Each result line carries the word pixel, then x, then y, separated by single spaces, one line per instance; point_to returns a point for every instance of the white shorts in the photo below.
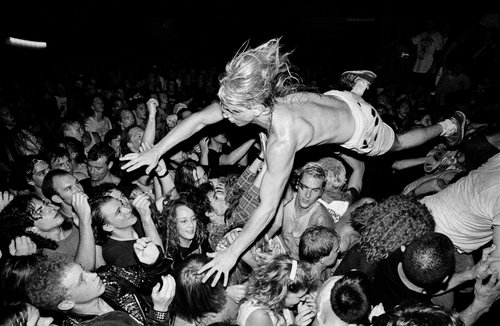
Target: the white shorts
pixel 372 136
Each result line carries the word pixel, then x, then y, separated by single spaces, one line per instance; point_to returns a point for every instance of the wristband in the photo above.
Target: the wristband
pixel 160 315
pixel 162 176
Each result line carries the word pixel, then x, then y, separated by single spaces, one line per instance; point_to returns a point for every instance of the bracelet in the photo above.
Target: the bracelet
pixel 260 158
pixel 160 315
pixel 162 176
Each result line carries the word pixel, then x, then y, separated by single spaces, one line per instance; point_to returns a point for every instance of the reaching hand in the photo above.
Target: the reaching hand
pixel 163 293
pixel 147 252
pixel 222 263
pixel 22 246
pixel 5 198
pixel 147 158
pixel 486 294
pixel 141 204
pixel 80 203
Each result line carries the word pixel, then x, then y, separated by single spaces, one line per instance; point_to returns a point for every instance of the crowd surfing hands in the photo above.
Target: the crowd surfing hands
pixel 149 157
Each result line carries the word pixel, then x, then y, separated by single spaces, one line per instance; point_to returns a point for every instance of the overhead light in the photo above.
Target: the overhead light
pixel 26 43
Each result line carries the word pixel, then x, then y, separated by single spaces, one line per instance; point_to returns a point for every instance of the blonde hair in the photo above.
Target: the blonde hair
pixel 257 76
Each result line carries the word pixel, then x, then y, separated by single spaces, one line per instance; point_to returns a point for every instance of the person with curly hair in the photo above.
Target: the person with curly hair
pixel 184 234
pixel 383 228
pixel 279 284
pixel 259 88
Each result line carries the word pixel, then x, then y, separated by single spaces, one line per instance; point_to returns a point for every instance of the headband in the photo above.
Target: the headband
pixel 293 272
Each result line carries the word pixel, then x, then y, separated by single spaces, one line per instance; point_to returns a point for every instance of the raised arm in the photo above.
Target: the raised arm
pixel 150 131
pixel 280 156
pixel 188 127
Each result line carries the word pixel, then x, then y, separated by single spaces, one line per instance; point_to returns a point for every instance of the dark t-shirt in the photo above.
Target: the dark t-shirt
pixel 355 259
pixel 388 287
pixel 121 253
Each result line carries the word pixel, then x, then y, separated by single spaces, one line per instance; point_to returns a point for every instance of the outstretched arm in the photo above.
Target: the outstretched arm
pixel 188 127
pixel 280 156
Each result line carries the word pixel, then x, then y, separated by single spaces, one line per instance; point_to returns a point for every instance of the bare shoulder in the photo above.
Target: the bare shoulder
pixel 321 216
pixel 259 317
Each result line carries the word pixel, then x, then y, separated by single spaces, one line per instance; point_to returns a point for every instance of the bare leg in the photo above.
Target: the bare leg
pixel 416 137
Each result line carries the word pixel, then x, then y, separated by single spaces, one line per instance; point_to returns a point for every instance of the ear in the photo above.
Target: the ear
pixel 31 183
pixel 446 279
pixel 56 199
pixel 110 164
pixel 258 110
pixel 33 229
pixel 210 214
pixel 129 145
pixel 66 305
pixel 108 228
pixel 403 248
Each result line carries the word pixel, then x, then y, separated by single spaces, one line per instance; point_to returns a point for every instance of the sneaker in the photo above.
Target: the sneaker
pixel 349 78
pixel 458 118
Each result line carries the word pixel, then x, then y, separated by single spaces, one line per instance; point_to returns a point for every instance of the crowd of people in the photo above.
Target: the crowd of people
pixel 255 195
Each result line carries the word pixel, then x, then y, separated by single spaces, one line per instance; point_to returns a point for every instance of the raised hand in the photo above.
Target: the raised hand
pixel 222 263
pixel 141 204
pixel 5 198
pixel 163 293
pixel 305 315
pixel 147 252
pixel 152 104
pixel 80 203
pixel 147 158
pixel 22 246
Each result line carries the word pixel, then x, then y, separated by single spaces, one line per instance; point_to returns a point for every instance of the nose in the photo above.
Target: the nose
pixel 308 193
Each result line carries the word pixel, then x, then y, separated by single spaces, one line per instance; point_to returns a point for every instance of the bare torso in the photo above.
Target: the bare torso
pixel 312 119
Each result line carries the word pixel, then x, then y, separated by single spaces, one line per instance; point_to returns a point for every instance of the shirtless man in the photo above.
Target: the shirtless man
pixel 258 88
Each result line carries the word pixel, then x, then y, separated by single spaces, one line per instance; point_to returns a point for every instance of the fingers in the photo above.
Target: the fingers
pixel 487 251
pixel 217 277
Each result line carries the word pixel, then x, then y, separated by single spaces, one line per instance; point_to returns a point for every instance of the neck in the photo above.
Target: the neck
pixel 216 146
pixel 406 282
pixel 95 307
pixel 300 210
pixel 67 211
pixel 57 234
pixel 97 116
pixel 108 178
pixel 124 234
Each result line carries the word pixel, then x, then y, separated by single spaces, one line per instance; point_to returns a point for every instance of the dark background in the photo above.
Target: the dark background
pixel 347 34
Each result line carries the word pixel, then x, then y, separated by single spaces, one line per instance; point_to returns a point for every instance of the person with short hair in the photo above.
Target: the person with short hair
pixel 58 158
pixel 320 246
pixel 303 209
pixel 259 88
pixel 344 300
pixel 59 187
pixel 112 296
pixel 22 314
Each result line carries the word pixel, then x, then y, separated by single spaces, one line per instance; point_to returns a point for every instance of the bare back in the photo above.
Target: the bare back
pixel 313 119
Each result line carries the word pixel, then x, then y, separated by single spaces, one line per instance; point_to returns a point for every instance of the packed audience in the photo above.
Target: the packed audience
pixel 357 240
